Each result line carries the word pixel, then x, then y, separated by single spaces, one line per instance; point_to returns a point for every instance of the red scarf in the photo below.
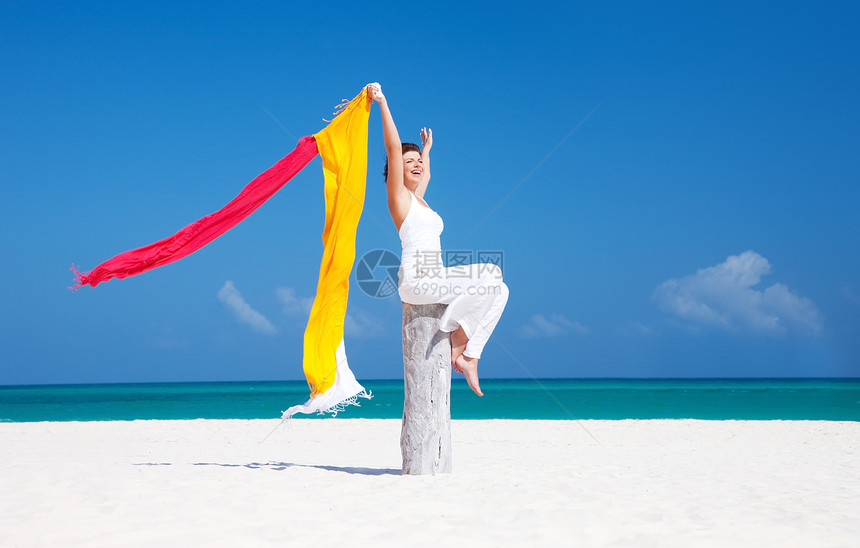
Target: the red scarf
pixel 199 233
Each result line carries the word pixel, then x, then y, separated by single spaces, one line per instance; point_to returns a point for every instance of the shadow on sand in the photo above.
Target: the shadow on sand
pixel 284 465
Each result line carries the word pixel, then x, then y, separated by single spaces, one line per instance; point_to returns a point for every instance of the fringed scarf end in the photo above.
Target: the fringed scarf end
pixel 81 278
pixel 340 406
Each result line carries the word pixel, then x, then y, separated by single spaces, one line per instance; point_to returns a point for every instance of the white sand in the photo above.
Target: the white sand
pixel 332 482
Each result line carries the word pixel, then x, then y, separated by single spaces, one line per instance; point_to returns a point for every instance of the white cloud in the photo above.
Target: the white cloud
pixel 234 301
pixel 723 296
pixel 554 326
pixel 290 304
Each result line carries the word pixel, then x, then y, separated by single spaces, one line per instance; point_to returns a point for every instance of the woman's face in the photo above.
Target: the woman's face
pixel 413 169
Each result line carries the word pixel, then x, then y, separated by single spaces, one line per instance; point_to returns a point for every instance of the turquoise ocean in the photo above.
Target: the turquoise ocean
pixel 553 399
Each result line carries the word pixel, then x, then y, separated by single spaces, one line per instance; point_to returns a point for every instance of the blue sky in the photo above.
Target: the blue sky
pixel 685 182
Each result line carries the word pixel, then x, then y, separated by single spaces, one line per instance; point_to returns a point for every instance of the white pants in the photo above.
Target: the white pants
pixel 475 295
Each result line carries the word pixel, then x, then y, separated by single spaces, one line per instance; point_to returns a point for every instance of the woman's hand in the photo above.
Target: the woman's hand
pixel 426 138
pixel 374 91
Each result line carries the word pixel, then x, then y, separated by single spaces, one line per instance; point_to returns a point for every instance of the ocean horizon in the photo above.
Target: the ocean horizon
pixel 834 399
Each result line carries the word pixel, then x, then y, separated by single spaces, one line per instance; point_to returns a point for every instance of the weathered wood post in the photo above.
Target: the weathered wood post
pixel 425 438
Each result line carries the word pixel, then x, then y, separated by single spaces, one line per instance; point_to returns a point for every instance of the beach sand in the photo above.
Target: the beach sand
pixel 515 483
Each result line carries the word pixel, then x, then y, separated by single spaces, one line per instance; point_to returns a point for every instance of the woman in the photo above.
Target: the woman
pixel 476 297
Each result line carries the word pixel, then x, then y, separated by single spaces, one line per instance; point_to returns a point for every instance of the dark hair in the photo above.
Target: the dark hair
pixel 407 147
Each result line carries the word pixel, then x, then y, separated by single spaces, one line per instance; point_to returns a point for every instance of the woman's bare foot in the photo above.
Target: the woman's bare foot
pixel 458 345
pixel 469 368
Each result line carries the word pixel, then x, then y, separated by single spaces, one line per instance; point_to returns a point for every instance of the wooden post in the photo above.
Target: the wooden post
pixel 425 438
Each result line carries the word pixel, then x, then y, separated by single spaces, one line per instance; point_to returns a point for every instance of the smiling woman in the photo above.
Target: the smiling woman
pixel 475 294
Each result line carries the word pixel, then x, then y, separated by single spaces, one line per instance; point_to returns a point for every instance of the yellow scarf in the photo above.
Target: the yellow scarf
pixel 342 146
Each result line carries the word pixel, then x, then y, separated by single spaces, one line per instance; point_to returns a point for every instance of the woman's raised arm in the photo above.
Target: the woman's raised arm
pixel 393 150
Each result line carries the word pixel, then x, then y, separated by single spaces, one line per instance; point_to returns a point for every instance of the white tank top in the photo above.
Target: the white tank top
pixel 419 237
